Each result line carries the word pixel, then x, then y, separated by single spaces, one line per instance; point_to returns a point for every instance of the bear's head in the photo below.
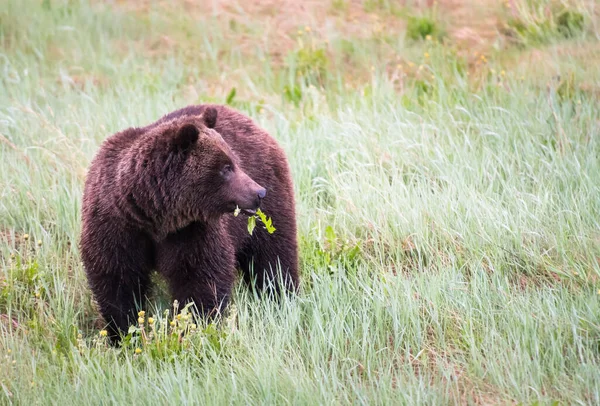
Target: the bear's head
pixel 196 174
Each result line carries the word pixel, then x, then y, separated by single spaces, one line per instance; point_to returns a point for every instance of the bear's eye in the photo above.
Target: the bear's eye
pixel 226 171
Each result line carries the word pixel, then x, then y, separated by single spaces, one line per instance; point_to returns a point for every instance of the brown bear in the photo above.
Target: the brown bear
pixel 162 198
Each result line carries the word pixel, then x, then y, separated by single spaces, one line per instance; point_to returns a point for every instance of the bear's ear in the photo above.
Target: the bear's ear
pixel 210 117
pixel 186 136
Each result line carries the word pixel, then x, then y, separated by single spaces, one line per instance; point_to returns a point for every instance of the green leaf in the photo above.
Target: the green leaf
pixel 353 252
pixel 251 224
pixel 268 222
pixel 330 234
pixel 231 96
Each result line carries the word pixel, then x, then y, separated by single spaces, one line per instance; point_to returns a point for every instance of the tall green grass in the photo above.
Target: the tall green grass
pixel 449 227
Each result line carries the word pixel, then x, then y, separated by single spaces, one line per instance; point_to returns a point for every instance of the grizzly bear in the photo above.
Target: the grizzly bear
pixel 162 198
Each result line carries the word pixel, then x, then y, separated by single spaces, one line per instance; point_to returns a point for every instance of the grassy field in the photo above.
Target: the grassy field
pixel 446 159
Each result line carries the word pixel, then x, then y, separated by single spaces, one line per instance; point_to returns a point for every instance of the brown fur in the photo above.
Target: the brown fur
pixel 161 197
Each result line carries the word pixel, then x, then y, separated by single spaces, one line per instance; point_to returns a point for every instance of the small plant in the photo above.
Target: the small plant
pixel 420 28
pixel 570 23
pixel 567 87
pixel 23 284
pixel 293 94
pixel 371 6
pixel 530 26
pixel 339 6
pixel 167 336
pixel 334 251
pixel 311 63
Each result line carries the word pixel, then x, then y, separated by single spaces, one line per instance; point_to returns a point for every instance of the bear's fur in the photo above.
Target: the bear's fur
pixel 161 198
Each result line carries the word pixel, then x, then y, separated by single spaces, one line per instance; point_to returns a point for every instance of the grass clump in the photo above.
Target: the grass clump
pixel 540 23
pixel 308 66
pixel 423 27
pixel 570 23
pixel 382 6
pixel 171 335
pixel 339 6
pixel 309 63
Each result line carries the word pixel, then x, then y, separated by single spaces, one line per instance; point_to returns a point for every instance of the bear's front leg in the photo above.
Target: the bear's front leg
pixel 199 264
pixel 118 263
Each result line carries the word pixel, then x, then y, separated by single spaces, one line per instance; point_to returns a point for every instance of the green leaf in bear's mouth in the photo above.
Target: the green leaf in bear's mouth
pixel 251 224
pixel 267 221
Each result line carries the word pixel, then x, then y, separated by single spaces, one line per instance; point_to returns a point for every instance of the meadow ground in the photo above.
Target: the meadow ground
pixel 446 158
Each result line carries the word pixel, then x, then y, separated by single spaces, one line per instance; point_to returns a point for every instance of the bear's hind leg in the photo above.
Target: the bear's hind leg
pixel 270 261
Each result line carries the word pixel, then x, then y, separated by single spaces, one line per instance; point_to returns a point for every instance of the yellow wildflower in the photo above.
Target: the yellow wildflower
pixel 103 333
pixel 138 350
pixel 150 320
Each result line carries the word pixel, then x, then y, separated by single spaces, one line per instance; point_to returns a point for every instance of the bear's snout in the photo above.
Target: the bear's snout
pixel 249 194
pixel 262 192
pixel 259 194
